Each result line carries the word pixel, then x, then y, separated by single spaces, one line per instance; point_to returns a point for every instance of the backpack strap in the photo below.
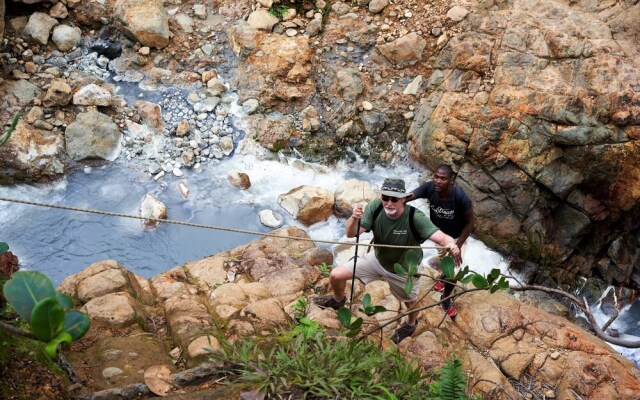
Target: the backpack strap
pixel 376 212
pixel 412 225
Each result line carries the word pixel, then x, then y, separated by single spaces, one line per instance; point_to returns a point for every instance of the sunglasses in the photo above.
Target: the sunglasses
pixel 391 199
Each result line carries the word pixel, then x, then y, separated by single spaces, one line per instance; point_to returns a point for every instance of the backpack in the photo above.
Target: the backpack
pixel 412 226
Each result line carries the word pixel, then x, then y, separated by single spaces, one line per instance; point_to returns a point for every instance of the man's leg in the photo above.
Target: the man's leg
pixel 397 285
pixel 341 274
pixel 412 318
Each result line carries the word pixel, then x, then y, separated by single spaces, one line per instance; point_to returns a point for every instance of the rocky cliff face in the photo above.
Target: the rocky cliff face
pixel 535 103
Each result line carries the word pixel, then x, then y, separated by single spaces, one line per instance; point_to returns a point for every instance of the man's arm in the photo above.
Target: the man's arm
pixel 352 222
pixel 447 241
pixel 468 227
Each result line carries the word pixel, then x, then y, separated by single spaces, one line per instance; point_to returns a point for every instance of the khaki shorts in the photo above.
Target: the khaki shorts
pixel 368 269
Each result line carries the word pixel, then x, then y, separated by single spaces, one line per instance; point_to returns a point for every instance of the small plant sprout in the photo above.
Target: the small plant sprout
pixel 325 269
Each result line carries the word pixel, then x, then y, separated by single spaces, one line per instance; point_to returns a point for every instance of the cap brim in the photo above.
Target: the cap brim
pixel 392 193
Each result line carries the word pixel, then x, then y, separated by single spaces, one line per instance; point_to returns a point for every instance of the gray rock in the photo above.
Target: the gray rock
pixel 39 27
pixel 250 106
pixel 373 121
pixel 92 95
pixel 262 20
pixel 23 90
pixel 375 6
pixel 93 135
pixel 349 83
pixel 457 13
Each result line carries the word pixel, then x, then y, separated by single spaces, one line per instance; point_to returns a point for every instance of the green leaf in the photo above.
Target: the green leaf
pixel 479 281
pixel 448 267
pixel 462 273
pixel 65 301
pixel 399 270
pixel 52 347
pixel 76 324
pixel 3 248
pixel 413 269
pixel 344 316
pixel 47 319
pixel 493 275
pixel 408 287
pixel 412 257
pixel 467 278
pixel 25 289
pixel 378 309
pixel 352 333
pixel 356 324
pixel 503 283
pixel 366 300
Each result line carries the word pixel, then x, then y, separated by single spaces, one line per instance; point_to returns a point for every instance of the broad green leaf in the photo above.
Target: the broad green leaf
pixel 352 333
pixel 399 270
pixel 479 281
pixel 378 309
pixel 3 248
pixel 408 287
pixel 76 324
pixel 356 324
pixel 25 289
pixel 503 284
pixel 65 301
pixel 344 316
pixel 47 319
pixel 52 347
pixel 467 278
pixel 413 269
pixel 448 267
pixel 366 300
pixel 494 289
pixel 305 321
pixel 412 257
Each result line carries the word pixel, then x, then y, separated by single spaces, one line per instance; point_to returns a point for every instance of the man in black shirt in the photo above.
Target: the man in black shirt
pixel 451 211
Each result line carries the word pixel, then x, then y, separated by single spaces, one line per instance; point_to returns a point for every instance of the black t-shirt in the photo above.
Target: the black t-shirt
pixel 446 213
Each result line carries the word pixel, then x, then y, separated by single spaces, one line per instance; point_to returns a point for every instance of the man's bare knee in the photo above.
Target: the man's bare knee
pixel 340 273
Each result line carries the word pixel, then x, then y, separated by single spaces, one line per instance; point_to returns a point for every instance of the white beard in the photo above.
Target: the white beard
pixel 390 213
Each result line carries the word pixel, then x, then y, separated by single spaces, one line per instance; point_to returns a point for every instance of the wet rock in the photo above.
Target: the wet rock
pixel 261 19
pixel 307 204
pixel 92 95
pixel 93 135
pixel 144 20
pixel 270 218
pixel 373 122
pixel 151 207
pixel 239 180
pixel 349 83
pixel 350 193
pixel 404 51
pixel 183 128
pixel 39 28
pixel 66 37
pixel 108 48
pixel 32 154
pixel 58 94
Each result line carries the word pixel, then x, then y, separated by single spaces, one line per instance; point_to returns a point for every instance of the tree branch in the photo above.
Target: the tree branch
pixel 16 331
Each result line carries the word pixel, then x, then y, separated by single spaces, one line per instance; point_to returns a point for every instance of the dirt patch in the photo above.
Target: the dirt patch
pixel 26 373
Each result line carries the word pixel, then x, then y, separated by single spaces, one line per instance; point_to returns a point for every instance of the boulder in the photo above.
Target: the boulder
pixel 92 95
pixel 272 132
pixel 404 51
pixel 113 309
pixel 32 154
pixel 66 37
pixel 350 193
pixel 270 218
pixel 39 28
pixel 239 180
pixel 307 204
pixel 151 207
pixel 243 38
pixel 58 94
pixel 93 135
pixel 261 19
pixel 549 162
pixel 145 21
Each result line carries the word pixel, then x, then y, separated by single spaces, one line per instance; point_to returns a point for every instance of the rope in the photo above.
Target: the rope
pixel 219 228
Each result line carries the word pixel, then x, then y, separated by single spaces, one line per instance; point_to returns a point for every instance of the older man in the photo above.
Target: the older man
pixel 391 227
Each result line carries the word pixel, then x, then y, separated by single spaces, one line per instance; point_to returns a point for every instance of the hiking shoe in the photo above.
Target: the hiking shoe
pixel 403 332
pixel 449 308
pixel 439 286
pixel 329 302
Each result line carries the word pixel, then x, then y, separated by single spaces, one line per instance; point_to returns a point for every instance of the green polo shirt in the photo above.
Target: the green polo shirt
pixel 395 232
